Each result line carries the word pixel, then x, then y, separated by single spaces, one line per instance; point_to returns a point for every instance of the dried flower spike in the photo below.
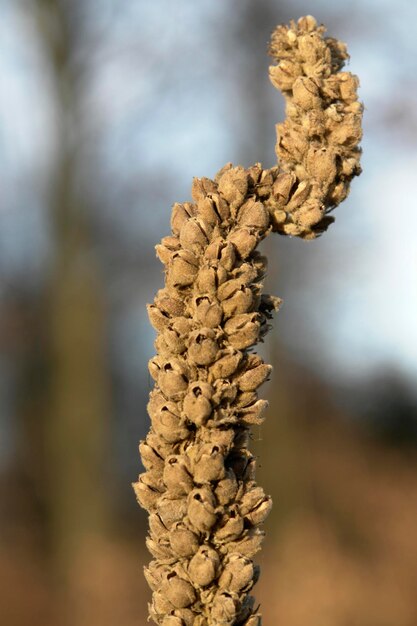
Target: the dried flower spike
pixel 199 485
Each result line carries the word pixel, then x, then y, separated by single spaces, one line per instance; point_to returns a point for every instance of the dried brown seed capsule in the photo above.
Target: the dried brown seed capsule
pixel 208 312
pixel 155 574
pixel 182 269
pixel 187 616
pixel 221 251
pixel 255 506
pixel 184 542
pixel 170 342
pixel 172 379
pixel 166 421
pixel 160 445
pixel 237 575
pixel 248 544
pixel 201 509
pixel 226 489
pixel 171 620
pixel 226 364
pixel 156 526
pixel 204 566
pixel 223 610
pixel 201 187
pixel 166 249
pixel 243 330
pixel 171 510
pixel 147 495
pixel 253 415
pixel 176 476
pixel 150 458
pixel 157 318
pixel 224 392
pixel 231 525
pixel 244 241
pixel 168 304
pixel 241 301
pixel 179 592
pixel 233 185
pixel 194 235
pixel 159 549
pixel 254 378
pixel 253 215
pixel 203 347
pixel 181 213
pixel 207 463
pixel 197 406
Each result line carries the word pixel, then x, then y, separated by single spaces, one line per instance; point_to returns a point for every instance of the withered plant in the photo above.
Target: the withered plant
pixel 205 508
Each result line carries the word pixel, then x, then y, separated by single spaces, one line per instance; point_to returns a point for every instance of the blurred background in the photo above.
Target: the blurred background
pixel 107 111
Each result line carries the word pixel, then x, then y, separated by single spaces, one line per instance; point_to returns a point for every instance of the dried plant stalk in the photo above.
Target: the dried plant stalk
pixel 205 508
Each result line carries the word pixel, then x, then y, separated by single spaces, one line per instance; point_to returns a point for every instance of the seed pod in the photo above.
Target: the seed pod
pixel 224 392
pixel 172 379
pixel 203 347
pixel 150 458
pixel 155 574
pixel 306 93
pixel 244 241
pixel 180 214
pixel 171 510
pixel 157 318
pixel 176 476
pixel 179 592
pixel 233 185
pixel 146 494
pixel 255 505
pixel 168 304
pixel 172 620
pixel 207 463
pixel 226 364
pixel 166 421
pixel 197 406
pixel 182 269
pixel 254 378
pixel 208 312
pixel 188 617
pixel 156 526
pixel 204 566
pixel 237 575
pixel 160 445
pixel 241 301
pixel 184 543
pixel 231 525
pixel 248 544
pixel 253 215
pixel 201 509
pixel 223 610
pixel 170 342
pixel 201 187
pixel 321 163
pixel 252 415
pixel 226 489
pixel 194 235
pixel 242 330
pixel 159 549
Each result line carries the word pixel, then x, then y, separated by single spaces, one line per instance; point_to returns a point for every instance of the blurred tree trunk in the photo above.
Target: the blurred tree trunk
pixel 280 442
pixel 76 429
